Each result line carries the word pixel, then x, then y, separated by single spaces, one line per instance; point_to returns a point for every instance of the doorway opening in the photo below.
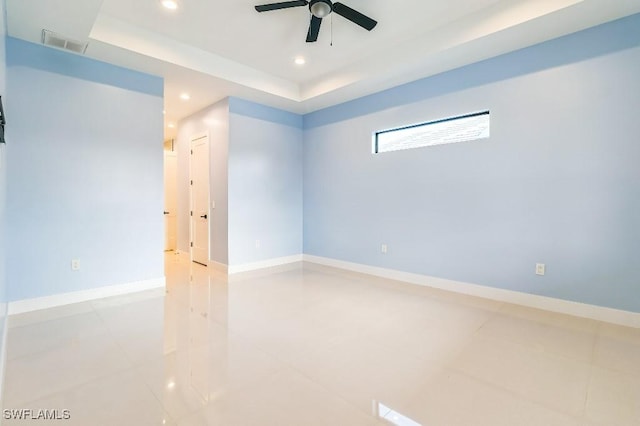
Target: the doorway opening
pixel 199 214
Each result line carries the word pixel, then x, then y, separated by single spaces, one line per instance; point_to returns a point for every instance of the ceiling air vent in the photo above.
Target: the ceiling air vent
pixel 49 38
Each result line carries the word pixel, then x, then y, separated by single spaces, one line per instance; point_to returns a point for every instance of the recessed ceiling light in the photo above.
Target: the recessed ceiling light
pixel 170 4
pixel 171 125
pixel 300 60
pixel 185 97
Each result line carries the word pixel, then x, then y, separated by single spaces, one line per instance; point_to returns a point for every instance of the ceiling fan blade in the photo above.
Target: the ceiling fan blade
pixel 314 29
pixel 354 16
pixel 281 5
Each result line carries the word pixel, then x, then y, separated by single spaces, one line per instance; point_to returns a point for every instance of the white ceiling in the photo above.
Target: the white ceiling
pixel 213 49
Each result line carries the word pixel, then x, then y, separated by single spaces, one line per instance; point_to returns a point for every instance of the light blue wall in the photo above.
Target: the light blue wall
pixel 265 182
pixel 3 188
pixel 214 121
pixel 85 176
pixel 558 182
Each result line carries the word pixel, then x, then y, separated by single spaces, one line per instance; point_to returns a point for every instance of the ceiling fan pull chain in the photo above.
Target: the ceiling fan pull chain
pixel 331 17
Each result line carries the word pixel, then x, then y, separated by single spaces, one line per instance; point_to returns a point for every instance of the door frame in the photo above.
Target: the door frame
pixel 194 138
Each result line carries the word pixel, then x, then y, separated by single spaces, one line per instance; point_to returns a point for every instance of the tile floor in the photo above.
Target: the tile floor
pixel 310 345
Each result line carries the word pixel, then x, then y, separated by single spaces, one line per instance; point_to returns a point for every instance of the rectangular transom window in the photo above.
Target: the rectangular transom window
pixel 448 130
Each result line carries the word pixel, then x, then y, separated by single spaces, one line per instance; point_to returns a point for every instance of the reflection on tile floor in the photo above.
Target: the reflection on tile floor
pixel 310 345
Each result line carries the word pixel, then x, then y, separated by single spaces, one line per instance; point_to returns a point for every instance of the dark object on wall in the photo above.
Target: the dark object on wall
pixel 2 122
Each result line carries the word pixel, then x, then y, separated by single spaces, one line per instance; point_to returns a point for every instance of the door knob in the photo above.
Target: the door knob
pixel 204 216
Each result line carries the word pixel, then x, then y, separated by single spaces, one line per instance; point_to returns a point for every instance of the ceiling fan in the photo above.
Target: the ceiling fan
pixel 319 9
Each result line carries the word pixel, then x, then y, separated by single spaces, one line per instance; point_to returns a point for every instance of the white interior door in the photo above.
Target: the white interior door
pixel 170 200
pixel 199 175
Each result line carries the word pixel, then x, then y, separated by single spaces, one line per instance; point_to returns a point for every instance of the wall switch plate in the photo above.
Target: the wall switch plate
pixel 539 268
pixel 75 264
pixel 383 249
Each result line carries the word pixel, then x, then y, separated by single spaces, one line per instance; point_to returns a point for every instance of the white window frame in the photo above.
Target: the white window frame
pixel 431 133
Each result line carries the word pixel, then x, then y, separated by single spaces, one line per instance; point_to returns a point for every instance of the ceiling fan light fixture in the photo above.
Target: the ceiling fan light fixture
pixel 320 8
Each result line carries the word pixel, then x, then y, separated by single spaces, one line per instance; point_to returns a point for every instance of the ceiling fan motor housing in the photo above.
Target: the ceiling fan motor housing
pixel 320 8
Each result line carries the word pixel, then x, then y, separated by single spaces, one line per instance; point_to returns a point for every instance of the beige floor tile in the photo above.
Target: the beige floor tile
pixel 119 399
pixel 627 334
pixel 174 383
pixel 34 376
pixel 551 318
pixel 556 382
pixel 455 399
pixel 613 398
pixel 287 398
pixel 141 316
pixel 49 314
pixel 52 334
pixel 188 379
pixel 618 348
pixel 126 299
pixel 545 336
pixel 312 345
pixel 138 328
pixel 362 371
pixel 288 340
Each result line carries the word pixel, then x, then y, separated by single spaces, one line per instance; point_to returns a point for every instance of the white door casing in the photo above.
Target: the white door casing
pixel 199 198
pixel 170 200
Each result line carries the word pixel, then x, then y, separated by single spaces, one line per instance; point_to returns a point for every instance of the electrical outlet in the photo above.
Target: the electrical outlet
pixel 539 268
pixel 75 264
pixel 383 249
pixel 257 244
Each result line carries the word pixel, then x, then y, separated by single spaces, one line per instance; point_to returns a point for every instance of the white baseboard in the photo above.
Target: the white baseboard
pixel 599 313
pixel 246 267
pixel 28 305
